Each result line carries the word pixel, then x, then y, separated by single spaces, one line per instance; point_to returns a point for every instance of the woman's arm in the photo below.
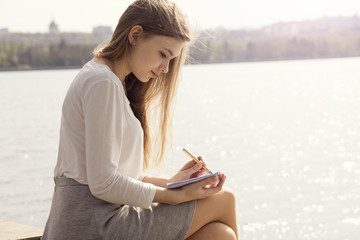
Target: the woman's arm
pixel 104 138
pixel 157 181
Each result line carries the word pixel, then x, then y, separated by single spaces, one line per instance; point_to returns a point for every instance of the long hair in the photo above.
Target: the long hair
pixel 152 102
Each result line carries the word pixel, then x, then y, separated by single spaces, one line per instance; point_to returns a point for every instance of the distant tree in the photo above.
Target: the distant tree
pixel 228 52
pixel 250 51
pixel 200 52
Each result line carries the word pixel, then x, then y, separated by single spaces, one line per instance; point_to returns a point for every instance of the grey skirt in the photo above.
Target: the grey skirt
pixel 77 214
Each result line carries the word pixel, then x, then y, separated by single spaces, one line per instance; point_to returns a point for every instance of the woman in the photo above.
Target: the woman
pixel 107 140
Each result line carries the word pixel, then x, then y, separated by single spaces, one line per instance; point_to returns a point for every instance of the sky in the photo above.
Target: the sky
pixel 83 15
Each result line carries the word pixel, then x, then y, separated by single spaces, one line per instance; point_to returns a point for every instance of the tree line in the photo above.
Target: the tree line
pixel 324 38
pixel 275 47
pixel 17 55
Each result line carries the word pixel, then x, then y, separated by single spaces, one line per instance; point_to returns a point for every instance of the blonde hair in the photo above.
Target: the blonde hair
pixel 151 102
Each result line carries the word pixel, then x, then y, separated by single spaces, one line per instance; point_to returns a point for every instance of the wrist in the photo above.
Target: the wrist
pixel 163 195
pixel 157 181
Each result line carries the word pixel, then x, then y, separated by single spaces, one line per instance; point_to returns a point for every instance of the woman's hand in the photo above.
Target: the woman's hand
pixel 202 189
pixel 190 170
pixel 193 191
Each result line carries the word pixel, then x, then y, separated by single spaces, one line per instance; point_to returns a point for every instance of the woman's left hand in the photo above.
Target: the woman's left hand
pixel 190 170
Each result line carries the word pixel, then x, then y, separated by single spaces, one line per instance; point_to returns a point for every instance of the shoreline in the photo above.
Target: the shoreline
pixel 28 68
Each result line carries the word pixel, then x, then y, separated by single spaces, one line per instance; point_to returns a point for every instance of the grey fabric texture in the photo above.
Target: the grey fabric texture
pixel 76 214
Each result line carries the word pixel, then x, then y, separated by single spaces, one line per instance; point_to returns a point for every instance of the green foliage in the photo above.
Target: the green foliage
pixel 15 55
pixel 263 48
pixel 323 38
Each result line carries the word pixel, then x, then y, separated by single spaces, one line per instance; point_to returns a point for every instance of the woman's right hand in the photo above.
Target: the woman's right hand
pixel 193 191
pixel 203 189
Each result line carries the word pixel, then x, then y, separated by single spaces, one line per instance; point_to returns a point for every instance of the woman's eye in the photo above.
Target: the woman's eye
pixel 163 55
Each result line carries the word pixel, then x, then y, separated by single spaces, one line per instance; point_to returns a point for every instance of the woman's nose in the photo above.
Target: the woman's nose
pixel 164 67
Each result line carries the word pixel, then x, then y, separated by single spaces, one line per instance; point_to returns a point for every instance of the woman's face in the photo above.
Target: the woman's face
pixel 150 56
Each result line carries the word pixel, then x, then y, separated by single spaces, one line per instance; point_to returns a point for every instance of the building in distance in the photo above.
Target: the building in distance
pixel 53 28
pixel 102 33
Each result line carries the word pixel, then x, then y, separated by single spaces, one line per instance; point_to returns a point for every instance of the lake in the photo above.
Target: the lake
pixel 286 134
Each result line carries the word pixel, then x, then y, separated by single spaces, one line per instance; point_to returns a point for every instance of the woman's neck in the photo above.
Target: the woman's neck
pixel 117 67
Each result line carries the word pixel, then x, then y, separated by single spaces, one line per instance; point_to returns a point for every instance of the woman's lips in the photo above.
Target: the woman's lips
pixel 154 74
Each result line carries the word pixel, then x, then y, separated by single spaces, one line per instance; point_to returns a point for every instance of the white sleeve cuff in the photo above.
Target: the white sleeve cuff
pixel 142 176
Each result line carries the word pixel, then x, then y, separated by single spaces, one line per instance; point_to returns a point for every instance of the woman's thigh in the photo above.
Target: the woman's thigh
pixel 219 207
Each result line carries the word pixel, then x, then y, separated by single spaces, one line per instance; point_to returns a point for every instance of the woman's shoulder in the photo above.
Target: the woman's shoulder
pixel 95 76
pixel 94 73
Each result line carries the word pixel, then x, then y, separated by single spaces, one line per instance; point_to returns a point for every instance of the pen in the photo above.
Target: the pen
pixel 196 160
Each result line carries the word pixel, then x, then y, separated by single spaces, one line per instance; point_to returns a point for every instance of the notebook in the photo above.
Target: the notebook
pixel 191 180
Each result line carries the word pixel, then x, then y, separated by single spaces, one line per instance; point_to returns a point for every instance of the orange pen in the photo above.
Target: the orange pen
pixel 196 160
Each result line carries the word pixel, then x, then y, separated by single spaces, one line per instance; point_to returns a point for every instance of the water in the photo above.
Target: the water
pixel 286 134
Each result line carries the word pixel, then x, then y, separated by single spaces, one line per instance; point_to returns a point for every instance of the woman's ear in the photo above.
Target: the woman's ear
pixel 135 34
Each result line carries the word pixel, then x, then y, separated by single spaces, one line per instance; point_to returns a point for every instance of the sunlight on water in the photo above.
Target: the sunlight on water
pixel 285 133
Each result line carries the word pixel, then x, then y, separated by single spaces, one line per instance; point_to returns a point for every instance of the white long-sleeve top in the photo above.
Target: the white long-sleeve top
pixel 101 141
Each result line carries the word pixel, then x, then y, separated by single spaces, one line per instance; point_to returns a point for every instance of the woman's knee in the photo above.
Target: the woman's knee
pixel 227 196
pixel 214 230
pixel 220 208
pixel 222 231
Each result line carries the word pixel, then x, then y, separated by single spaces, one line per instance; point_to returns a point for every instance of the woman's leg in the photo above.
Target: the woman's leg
pixel 215 214
pixel 214 231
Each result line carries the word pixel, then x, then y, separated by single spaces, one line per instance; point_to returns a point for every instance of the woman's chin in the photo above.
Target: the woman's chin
pixel 143 79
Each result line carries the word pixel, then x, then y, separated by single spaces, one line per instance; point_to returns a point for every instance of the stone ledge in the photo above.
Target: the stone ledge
pixel 12 231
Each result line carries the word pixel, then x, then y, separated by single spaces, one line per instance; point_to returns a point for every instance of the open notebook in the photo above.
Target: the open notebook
pixel 191 180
